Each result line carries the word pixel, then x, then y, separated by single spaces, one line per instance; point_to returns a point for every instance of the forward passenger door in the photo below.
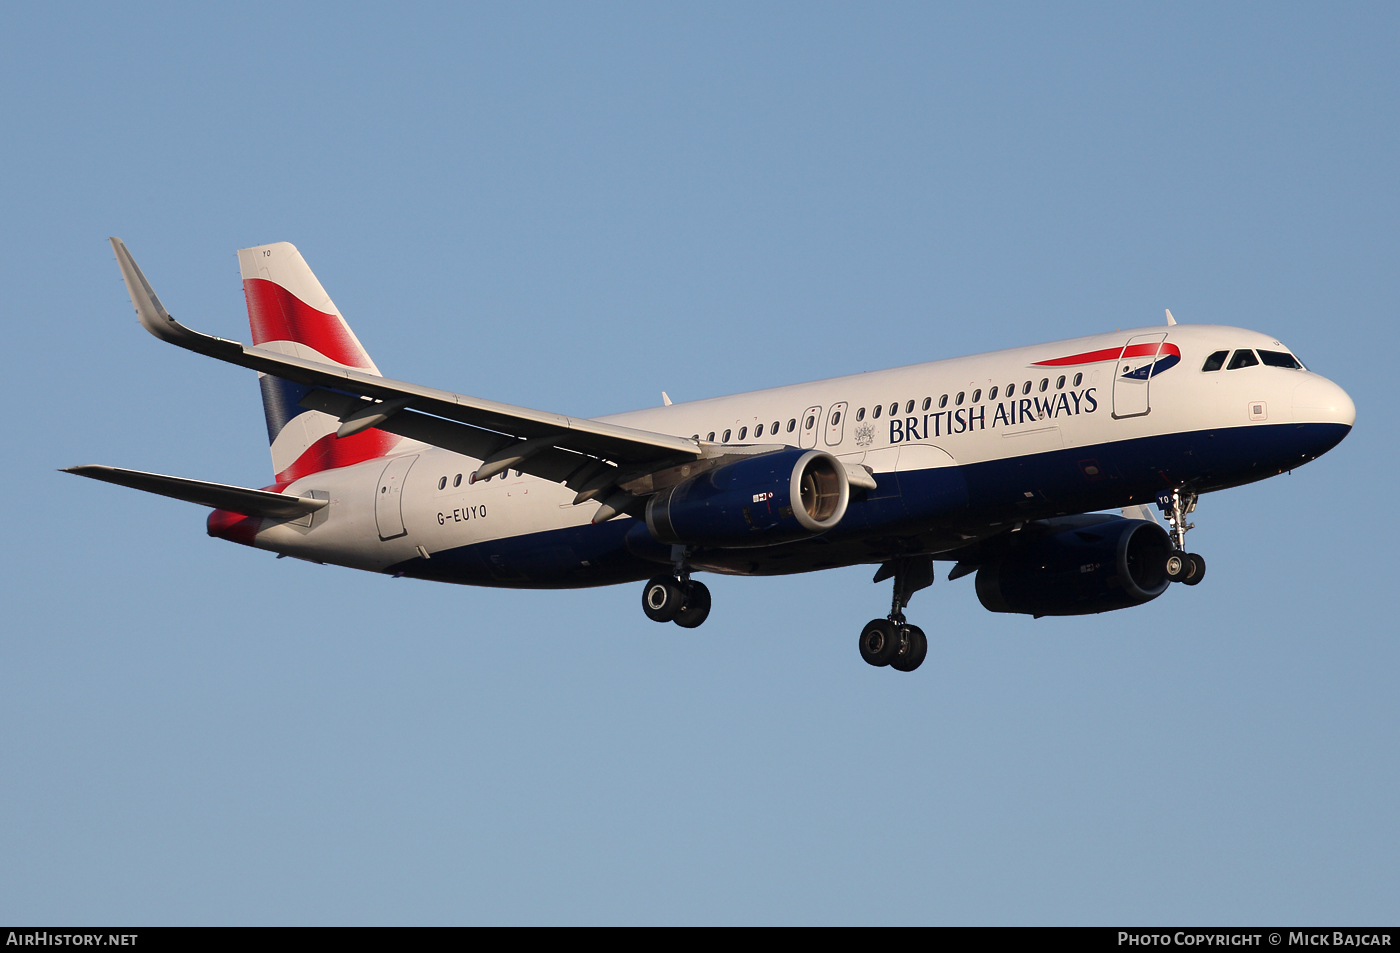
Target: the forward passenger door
pixel 1132 375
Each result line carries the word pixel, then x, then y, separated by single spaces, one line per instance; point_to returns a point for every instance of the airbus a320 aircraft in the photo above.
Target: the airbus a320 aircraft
pixel 994 462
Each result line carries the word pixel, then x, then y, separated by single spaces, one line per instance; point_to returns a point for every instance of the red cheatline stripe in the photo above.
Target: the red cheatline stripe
pixel 1111 354
pixel 275 314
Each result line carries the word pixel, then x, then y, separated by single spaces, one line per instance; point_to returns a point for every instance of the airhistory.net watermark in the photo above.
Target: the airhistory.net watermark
pixel 44 938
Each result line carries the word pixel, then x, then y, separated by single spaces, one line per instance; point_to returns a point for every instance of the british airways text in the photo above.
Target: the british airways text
pixel 1006 414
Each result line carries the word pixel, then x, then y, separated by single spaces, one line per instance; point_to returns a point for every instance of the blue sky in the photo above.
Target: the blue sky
pixel 574 208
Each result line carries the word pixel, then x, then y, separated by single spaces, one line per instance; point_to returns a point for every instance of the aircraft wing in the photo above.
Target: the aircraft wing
pixel 218 495
pixel 589 455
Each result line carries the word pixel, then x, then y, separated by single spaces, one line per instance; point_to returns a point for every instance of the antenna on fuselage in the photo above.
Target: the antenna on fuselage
pixel 1170 320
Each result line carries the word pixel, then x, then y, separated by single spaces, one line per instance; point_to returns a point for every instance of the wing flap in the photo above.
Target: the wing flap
pixel 221 496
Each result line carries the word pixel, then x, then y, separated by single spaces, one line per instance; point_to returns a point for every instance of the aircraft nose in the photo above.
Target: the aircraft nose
pixel 1318 400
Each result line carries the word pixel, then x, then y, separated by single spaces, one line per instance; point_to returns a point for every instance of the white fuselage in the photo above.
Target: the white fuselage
pixel 919 418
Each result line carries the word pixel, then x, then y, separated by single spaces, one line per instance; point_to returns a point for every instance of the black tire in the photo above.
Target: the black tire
pixel 915 650
pixel 696 608
pixel 1198 570
pixel 662 599
pixel 1178 566
pixel 879 642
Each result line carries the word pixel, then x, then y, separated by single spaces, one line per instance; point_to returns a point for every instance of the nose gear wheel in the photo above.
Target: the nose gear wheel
pixel 1176 505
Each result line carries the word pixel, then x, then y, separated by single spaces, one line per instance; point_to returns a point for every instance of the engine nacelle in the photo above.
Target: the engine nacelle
pixel 760 501
pixel 1095 568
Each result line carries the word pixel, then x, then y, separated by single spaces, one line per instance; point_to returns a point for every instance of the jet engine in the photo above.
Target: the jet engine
pixel 759 501
pixel 1095 568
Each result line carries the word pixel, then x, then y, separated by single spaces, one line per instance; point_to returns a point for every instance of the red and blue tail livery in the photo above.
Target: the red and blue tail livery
pixel 290 313
pixel 1063 484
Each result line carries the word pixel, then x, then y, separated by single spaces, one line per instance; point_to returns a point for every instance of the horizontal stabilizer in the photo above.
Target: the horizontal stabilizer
pixel 218 495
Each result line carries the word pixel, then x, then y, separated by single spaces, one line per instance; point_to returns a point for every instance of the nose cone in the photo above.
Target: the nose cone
pixel 1318 400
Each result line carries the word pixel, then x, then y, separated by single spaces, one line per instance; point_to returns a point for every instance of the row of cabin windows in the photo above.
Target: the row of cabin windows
pixel 457 480
pixel 1010 392
pixel 774 428
pixel 875 412
pixel 1244 357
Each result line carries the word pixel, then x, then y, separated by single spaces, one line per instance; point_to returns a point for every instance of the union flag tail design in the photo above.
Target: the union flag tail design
pixel 291 313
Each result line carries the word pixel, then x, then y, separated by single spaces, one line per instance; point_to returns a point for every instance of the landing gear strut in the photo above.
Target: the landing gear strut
pixel 675 597
pixel 893 641
pixel 1182 566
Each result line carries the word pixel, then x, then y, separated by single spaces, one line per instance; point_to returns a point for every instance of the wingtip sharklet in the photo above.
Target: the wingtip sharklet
pixel 151 313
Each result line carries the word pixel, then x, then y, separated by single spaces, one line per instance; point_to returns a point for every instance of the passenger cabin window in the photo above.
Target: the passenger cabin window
pixel 1216 361
pixel 959 399
pixel 943 402
pixel 743 432
pixel 860 414
pixel 928 402
pixel 909 407
pixel 992 394
pixel 811 422
pixel 876 412
pixel 710 437
pixel 1077 379
pixel 1279 359
pixel 1044 383
pixel 792 424
pixel 1060 384
pixel 894 408
pixel 457 480
pixel 774 429
pixel 1242 358
pixel 1026 387
pixel 726 436
pixel 977 395
pixel 758 431
pixel 442 484
pixel 836 418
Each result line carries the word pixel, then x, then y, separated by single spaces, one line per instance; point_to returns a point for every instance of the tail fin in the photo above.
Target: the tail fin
pixel 289 312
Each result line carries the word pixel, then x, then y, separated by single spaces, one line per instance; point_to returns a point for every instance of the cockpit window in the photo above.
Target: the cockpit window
pixel 1242 358
pixel 1216 361
pixel 1279 359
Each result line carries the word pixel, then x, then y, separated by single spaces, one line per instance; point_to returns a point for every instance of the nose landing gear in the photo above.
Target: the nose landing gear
pixel 1182 566
pixel 893 641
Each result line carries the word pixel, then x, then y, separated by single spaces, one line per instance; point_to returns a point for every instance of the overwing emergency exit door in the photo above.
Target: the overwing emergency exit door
pixel 836 424
pixel 808 425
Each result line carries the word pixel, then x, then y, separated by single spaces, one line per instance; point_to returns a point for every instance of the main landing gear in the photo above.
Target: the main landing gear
pixel 675 597
pixel 892 641
pixel 1182 566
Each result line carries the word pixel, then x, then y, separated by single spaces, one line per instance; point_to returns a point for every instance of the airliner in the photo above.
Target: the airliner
pixel 1000 463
